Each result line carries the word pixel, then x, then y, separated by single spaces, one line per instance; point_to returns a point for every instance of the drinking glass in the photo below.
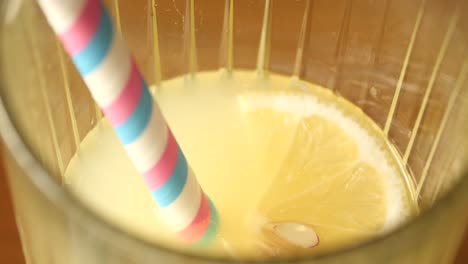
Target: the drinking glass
pixel 404 63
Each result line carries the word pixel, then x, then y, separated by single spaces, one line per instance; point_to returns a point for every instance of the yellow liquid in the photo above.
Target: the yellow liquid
pixel 267 151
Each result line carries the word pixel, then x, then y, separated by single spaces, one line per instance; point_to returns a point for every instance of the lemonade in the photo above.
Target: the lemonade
pixel 292 168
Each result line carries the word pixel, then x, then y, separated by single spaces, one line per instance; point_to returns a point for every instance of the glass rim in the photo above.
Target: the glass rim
pixel 82 214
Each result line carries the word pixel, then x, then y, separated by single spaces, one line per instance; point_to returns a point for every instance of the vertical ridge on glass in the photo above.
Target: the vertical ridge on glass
pixel 459 83
pixel 156 51
pixel 440 56
pixel 341 44
pixel 226 51
pixel 264 45
pixel 298 62
pixel 409 52
pixel 66 86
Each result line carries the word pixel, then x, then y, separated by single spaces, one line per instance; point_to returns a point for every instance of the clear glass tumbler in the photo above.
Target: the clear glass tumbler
pixel 404 63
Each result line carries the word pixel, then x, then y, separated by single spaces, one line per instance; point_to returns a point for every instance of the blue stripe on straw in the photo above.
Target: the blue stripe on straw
pixel 212 230
pixel 171 189
pixel 94 53
pixel 137 122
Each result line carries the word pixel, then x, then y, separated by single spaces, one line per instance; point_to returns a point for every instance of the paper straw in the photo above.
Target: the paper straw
pixel 87 33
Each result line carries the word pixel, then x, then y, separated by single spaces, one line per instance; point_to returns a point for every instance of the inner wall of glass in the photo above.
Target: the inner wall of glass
pixel 404 63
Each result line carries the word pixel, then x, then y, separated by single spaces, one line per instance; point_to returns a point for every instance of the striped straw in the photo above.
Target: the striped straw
pixel 87 33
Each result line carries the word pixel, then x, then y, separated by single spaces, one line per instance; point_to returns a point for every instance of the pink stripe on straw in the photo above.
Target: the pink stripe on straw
pixel 122 107
pixel 162 170
pixel 200 223
pixel 83 29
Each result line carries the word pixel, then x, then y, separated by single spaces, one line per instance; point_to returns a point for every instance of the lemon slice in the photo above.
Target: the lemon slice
pixel 334 171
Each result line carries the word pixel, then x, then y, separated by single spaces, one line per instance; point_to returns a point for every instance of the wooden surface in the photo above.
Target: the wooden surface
pixel 462 257
pixel 10 248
